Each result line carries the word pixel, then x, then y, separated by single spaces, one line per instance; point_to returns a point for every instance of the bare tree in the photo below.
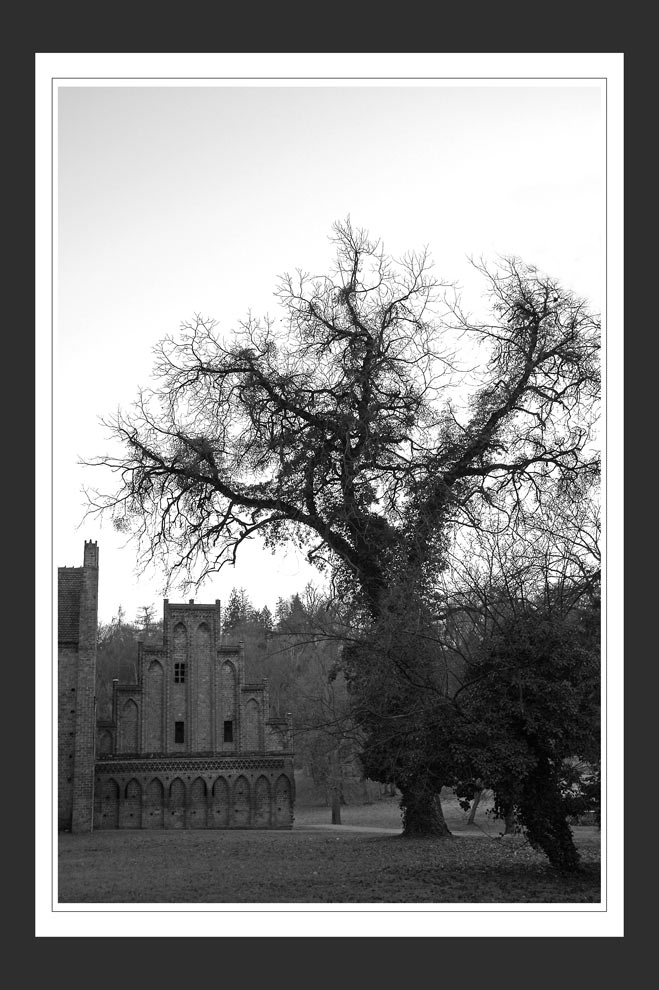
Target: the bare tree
pixel 351 430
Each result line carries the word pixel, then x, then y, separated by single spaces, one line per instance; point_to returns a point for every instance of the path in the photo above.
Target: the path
pixel 586 833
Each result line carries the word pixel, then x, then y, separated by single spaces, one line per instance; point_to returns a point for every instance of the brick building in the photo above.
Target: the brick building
pixel 77 625
pixel 190 744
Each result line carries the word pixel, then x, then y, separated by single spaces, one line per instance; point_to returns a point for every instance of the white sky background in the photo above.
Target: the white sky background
pixel 173 201
pixel 184 197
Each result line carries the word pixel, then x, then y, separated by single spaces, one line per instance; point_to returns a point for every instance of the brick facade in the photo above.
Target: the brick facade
pixel 189 744
pixel 77 638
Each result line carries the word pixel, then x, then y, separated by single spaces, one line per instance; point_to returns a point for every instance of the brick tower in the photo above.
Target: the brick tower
pixel 77 625
pixel 191 742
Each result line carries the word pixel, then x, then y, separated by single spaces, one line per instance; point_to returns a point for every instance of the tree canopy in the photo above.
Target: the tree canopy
pixel 350 427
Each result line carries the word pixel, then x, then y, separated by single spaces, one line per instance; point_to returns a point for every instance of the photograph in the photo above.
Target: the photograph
pixel 329 345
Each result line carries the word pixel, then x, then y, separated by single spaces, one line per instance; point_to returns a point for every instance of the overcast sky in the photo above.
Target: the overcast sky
pixel 172 201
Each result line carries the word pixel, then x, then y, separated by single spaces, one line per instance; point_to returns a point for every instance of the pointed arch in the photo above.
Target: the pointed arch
pixel 154 741
pixel 155 804
pixel 175 817
pixel 241 803
pixel 202 680
pixel 180 638
pixel 283 804
pixel 180 656
pixel 105 741
pixel 252 734
pixel 197 806
pixel 227 731
pixel 262 809
pixel 179 646
pixel 131 805
pixel 178 721
pixel 129 727
pixel 220 804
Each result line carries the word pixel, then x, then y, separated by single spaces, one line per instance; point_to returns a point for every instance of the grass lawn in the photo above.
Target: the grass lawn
pixel 307 864
pixel 312 809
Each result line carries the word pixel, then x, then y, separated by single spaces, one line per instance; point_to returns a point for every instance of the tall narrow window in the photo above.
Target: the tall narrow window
pixel 179 732
pixel 228 731
pixel 179 673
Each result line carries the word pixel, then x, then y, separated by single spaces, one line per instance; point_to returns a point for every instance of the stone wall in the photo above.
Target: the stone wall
pixel 194 792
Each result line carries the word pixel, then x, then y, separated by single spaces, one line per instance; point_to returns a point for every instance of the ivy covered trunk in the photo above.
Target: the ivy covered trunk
pixel 542 812
pixel 510 822
pixel 422 811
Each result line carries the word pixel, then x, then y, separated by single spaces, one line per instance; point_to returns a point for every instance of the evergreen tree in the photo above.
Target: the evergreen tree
pixel 238 610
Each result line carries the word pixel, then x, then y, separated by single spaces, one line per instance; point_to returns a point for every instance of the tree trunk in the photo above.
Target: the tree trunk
pixel 509 820
pixel 367 799
pixel 422 811
pixel 337 787
pixel 555 840
pixel 542 813
pixel 472 813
